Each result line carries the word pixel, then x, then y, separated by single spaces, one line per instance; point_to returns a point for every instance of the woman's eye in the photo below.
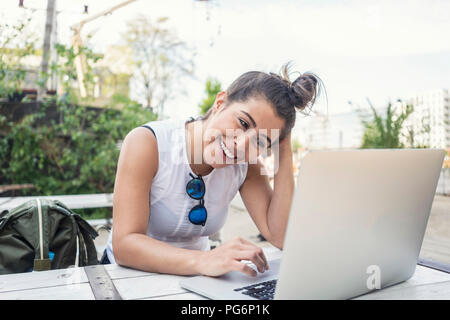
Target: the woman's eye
pixel 244 124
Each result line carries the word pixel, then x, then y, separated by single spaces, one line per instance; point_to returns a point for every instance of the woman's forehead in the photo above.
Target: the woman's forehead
pixel 261 114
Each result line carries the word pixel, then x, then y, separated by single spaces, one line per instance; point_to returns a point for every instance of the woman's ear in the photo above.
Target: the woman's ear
pixel 220 100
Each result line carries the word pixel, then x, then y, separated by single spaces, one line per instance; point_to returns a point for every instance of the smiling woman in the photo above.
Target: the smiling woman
pixel 175 179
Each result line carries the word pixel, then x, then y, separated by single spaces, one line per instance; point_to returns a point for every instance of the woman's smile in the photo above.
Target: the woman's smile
pixel 227 153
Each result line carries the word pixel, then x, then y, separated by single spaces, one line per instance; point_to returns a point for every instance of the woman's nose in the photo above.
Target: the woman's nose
pixel 246 145
pixel 241 141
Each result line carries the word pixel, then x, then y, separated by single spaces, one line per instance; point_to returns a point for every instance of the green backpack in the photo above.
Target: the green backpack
pixel 44 234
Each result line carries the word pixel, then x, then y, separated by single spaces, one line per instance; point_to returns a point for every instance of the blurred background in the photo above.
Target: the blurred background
pixel 77 75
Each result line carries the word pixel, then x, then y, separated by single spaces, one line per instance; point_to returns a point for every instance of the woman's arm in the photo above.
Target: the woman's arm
pixel 137 165
pixel 269 208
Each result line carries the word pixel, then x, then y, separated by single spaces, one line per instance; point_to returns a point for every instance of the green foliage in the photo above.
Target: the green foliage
pixel 75 152
pixel 295 145
pixel 16 43
pixel 213 87
pixel 385 132
pixel 75 155
pixel 65 68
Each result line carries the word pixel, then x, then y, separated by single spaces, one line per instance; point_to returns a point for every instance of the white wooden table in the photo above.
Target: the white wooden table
pixel 73 284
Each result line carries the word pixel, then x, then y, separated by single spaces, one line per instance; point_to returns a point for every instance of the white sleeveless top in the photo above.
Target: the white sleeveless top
pixel 169 202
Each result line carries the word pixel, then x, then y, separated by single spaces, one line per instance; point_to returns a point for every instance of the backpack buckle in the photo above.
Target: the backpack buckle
pixel 42 265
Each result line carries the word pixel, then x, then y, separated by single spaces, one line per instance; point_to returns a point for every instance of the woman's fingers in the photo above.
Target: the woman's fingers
pixel 247 245
pixel 241 249
pixel 243 267
pixel 255 255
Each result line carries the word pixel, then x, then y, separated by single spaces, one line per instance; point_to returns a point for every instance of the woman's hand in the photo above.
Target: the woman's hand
pixel 228 257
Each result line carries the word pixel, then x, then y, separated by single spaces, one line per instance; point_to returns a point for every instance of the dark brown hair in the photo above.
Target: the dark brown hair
pixel 285 96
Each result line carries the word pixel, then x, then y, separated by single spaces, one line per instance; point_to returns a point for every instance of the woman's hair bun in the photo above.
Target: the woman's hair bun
pixel 303 91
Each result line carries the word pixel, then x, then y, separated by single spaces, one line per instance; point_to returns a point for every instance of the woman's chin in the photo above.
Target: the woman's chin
pixel 218 165
pixel 217 159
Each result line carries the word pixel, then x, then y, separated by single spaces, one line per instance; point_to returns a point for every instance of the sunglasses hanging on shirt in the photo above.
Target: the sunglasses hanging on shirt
pixel 196 189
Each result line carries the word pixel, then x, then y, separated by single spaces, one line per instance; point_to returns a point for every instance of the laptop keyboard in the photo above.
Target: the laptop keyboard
pixel 261 291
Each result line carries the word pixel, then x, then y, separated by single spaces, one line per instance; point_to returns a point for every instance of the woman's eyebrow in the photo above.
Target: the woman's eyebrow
pixel 250 117
pixel 254 125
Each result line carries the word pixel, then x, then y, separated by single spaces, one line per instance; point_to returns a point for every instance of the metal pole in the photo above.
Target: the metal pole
pixel 53 54
pixel 51 9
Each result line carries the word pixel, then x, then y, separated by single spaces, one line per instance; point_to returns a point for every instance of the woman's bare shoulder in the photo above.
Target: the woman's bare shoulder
pixel 139 151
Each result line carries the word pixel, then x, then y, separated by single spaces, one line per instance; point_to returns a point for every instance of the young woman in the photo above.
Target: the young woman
pixel 176 179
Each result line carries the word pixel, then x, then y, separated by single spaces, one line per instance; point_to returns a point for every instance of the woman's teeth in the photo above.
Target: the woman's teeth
pixel 227 152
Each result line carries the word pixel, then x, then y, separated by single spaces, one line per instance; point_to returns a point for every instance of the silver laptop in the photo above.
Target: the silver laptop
pixel 357 222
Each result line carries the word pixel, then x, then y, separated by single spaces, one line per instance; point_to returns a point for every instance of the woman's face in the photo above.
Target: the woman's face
pixel 239 132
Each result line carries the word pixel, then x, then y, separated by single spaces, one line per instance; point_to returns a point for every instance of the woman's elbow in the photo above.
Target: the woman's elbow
pixel 276 241
pixel 118 251
pixel 278 244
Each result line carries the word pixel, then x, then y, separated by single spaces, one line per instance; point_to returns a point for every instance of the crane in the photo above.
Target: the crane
pixel 77 43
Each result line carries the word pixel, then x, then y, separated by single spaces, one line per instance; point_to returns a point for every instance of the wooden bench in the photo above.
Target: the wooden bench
pixel 13 187
pixel 76 201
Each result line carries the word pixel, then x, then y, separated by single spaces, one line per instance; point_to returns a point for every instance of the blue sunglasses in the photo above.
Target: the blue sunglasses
pixel 196 189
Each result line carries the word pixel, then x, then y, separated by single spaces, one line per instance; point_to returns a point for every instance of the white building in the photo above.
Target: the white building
pixel 430 123
pixel 430 120
pixel 336 131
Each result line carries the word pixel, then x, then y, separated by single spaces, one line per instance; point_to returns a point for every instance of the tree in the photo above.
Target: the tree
pixel 160 60
pixel 17 42
pixel 65 70
pixel 213 87
pixel 384 132
pixel 49 26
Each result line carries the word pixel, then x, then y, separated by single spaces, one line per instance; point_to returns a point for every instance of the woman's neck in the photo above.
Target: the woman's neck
pixel 194 148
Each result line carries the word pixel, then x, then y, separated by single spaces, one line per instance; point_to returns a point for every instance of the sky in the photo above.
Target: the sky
pixel 381 50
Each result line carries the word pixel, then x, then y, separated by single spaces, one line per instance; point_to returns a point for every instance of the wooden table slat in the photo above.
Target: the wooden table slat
pixel 151 286
pixel 118 272
pixel 179 296
pixel 424 275
pixel 42 279
pixel 430 291
pixel 78 291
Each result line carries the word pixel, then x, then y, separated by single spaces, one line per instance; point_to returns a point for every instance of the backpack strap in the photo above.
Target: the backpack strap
pixel 82 255
pixel 41 258
pixel 87 234
pixel 3 219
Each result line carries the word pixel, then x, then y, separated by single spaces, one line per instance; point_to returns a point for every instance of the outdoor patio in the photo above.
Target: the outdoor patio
pixel 76 78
